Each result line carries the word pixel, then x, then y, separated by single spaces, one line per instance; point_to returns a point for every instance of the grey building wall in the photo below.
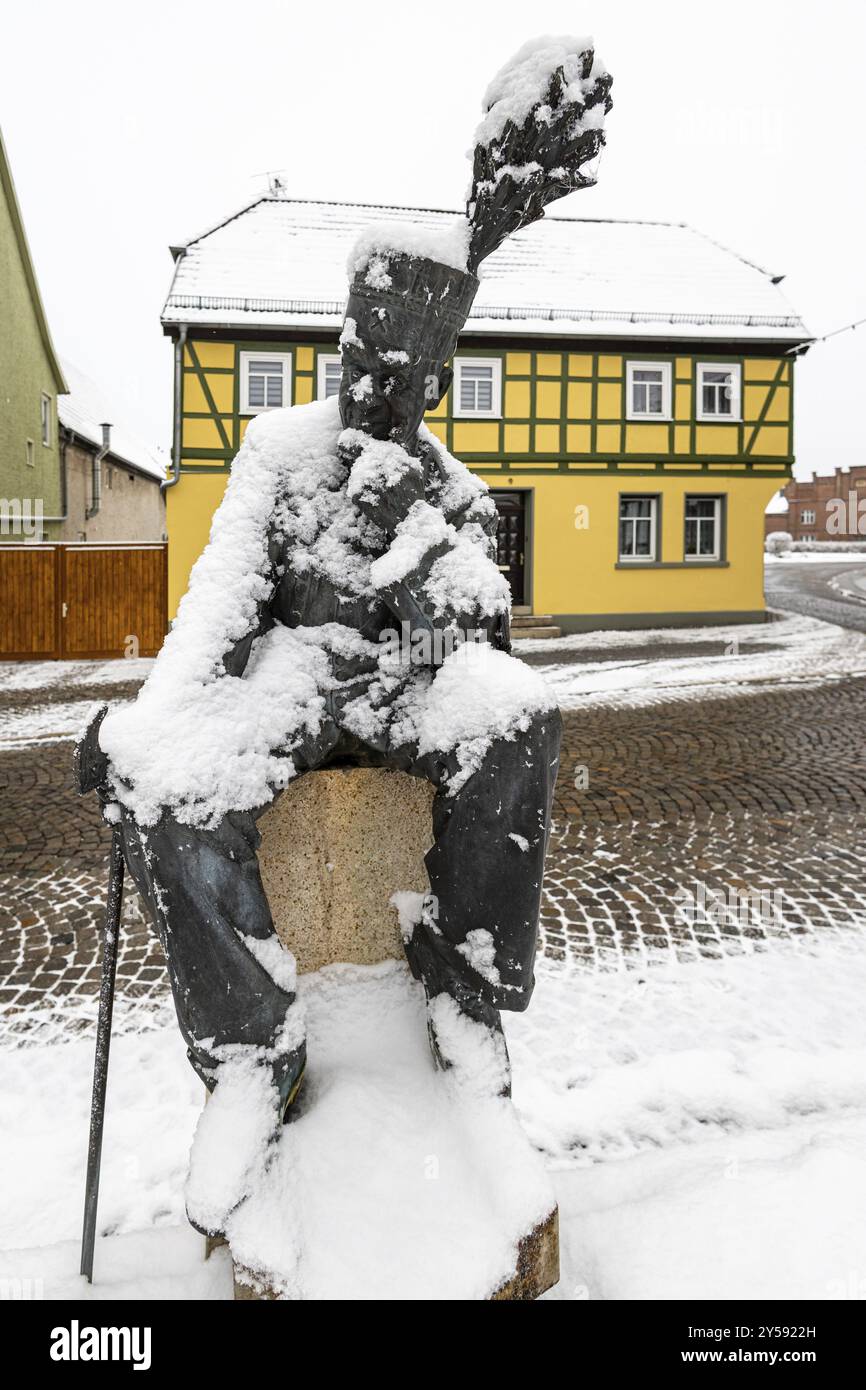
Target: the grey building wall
pixel 132 507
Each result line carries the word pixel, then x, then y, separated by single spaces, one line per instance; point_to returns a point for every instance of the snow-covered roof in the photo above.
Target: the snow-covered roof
pixel 281 262
pixel 85 408
pixel 777 505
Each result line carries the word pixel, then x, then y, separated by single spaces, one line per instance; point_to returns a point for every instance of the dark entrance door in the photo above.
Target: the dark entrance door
pixel 511 542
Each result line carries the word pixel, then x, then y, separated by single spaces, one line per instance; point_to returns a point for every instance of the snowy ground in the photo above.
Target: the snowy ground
pixel 829 587
pixel 704 1127
pixel 584 670
pixel 703 1124
pixel 39 697
pixel 851 586
pixel 48 675
pixel 817 557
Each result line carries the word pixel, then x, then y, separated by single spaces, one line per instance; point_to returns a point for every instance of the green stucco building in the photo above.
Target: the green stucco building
pixel 30 381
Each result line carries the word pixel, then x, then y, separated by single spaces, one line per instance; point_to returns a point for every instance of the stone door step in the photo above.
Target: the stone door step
pixel 521 633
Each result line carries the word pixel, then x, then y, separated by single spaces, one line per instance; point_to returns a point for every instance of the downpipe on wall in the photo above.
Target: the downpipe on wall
pixel 96 475
pixel 174 479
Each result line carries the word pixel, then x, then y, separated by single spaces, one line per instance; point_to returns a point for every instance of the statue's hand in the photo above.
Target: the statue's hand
pixel 393 504
pixel 521 166
pixel 90 763
pixel 571 138
pixel 384 481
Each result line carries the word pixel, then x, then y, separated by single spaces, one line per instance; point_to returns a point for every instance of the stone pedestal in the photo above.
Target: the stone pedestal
pixel 335 846
pixel 537 1270
pixel 537 1264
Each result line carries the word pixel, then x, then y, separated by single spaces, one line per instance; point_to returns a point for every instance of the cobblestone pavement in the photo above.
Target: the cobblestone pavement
pixel 834 592
pixel 756 806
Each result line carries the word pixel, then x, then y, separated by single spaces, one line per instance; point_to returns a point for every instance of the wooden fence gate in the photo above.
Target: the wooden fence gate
pixel 82 600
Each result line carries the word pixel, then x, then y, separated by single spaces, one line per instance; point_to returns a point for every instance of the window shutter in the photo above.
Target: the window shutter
pixel 333 375
pixel 476 388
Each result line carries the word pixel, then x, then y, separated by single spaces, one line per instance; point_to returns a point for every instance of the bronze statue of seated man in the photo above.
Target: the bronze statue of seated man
pixel 348 610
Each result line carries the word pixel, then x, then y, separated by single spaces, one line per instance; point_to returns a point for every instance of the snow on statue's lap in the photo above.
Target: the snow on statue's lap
pixel 395 1180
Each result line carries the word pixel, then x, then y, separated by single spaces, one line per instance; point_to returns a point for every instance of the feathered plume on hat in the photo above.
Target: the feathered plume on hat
pixel 543 123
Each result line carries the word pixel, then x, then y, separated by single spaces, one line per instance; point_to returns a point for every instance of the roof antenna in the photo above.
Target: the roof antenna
pixel 277 185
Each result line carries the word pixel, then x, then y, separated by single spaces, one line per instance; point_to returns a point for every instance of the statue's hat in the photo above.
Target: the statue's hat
pixel 400 275
pixel 543 122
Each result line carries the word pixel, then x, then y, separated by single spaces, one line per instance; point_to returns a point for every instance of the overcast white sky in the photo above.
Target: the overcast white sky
pixel 130 127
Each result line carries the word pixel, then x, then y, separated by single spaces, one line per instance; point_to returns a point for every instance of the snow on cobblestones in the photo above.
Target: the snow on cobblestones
pixel 706 1124
pixel 47 723
pixel 704 1128
pixel 613 1064
pixel 802 650
pixel 697 1090
pixel 16 676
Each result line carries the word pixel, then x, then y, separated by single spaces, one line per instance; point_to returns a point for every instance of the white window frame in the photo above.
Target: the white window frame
pixel 45 418
pixel 323 360
pixel 652 498
pixel 495 412
pixel 667 373
pixel 285 359
pixel 736 372
pixel 808 516
pixel 718 521
pixel 30 453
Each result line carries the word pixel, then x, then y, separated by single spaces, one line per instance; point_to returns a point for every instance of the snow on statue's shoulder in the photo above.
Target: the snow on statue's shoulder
pixel 183 741
pixel 479 695
pixel 292 449
pixel 298 441
pixel 522 83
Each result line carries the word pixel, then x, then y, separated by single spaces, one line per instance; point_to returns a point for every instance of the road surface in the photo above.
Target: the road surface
pixel 834 591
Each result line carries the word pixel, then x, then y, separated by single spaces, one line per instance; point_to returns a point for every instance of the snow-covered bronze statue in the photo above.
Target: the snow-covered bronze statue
pixel 348 609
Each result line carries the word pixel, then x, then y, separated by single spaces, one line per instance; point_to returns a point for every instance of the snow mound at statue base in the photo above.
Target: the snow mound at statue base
pixel 394 1181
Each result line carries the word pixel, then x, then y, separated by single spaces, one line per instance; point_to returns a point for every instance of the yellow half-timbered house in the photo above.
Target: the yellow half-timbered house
pixel 626 388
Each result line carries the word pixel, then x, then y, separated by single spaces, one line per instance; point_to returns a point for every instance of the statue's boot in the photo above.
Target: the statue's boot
pixel 481 1015
pixel 288 1080
pixel 451 1004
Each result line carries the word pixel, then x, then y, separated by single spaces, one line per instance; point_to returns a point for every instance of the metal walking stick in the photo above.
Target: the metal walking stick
pixel 91 767
pixel 103 1043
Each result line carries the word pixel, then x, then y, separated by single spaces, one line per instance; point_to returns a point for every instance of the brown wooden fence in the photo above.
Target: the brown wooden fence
pixel 81 600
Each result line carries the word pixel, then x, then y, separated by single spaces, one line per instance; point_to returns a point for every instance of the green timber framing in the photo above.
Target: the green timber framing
pixel 528 460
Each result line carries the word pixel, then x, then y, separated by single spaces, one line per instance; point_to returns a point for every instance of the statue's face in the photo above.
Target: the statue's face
pixel 387 383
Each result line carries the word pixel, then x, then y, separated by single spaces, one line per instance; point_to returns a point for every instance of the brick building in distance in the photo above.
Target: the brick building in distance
pixel 825 508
